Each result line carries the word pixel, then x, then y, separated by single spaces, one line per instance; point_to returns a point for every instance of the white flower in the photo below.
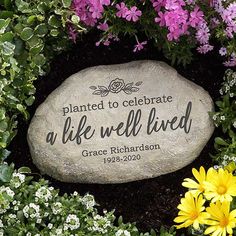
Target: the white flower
pixel 88 201
pixel 56 208
pixel 231 95
pixel 43 193
pixel 8 191
pixel 222 117
pixel 75 193
pixel 214 117
pixel 38 221
pixel 31 210
pixel 18 179
pixel 1 224
pixel 221 92
pixel 50 226
pixel 122 232
pixel 72 222
pixel 234 124
pixel 28 234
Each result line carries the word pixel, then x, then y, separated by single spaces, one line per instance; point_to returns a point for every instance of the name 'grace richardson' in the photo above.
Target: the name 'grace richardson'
pixel 121 149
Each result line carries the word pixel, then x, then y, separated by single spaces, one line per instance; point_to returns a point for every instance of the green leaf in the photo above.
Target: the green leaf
pixel 7 4
pixel 31 19
pixel 6 14
pixel 41 30
pixel 220 141
pixel 30 100
pixel 24 170
pixel 54 22
pixel 27 34
pixel 66 3
pixel 8 48
pixel 3 126
pixel 39 60
pixel 2 113
pixel 37 49
pixel 6 37
pixel 54 32
pixel 4 24
pixel 5 173
pixel 4 153
pixel 120 220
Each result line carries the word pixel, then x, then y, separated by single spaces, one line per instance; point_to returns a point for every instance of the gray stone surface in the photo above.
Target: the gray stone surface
pixel 144 146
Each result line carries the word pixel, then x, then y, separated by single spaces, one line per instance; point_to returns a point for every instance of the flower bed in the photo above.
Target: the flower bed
pixel 32 33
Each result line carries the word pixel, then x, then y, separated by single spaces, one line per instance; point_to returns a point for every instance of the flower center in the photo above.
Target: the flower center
pixel 194 215
pixel 224 222
pixel 201 189
pixel 221 189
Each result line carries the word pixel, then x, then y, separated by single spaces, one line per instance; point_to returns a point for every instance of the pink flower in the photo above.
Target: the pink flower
pixel 160 19
pixel 139 46
pixel 133 14
pixel 205 48
pixel 203 34
pixel 103 26
pixel 231 62
pixel 122 10
pixel 96 9
pixel 223 51
pixel 72 33
pixel 196 17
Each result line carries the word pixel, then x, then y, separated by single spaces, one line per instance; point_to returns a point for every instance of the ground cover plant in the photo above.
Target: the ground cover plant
pixel 33 32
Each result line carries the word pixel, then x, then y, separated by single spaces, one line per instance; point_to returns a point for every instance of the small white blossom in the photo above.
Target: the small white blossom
pixel 122 232
pixel 1 224
pixel 88 201
pixel 50 226
pixel 231 95
pixel 72 222
pixel 28 234
pixel 56 208
pixel 222 117
pixel 31 210
pixel 38 221
pixel 214 117
pixel 8 191
pixel 234 124
pixel 44 194
pixel 18 179
pixel 75 193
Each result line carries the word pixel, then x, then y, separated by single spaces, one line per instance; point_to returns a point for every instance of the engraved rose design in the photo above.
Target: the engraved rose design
pixel 116 86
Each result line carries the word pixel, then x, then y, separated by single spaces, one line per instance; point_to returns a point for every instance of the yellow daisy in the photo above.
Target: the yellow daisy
pixel 196 187
pixel 220 185
pixel 191 211
pixel 221 220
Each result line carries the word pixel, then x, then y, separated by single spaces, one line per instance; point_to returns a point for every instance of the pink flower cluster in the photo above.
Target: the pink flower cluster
pixel 228 16
pixel 132 14
pixel 90 11
pixel 173 15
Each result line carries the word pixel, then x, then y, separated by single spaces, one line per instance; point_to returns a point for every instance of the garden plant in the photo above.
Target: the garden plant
pixel 33 32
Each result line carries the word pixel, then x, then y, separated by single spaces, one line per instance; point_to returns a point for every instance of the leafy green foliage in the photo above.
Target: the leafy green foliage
pixel 31 34
pixel 225 117
pixel 34 208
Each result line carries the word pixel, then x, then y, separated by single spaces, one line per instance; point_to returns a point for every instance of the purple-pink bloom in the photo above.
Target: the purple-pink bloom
pixel 231 62
pixel 133 14
pixel 72 33
pixel 205 48
pixel 203 34
pixel 139 46
pixel 223 51
pixel 196 17
pixel 122 10
pixel 103 26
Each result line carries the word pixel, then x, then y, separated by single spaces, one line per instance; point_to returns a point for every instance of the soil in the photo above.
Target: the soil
pixel 151 203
